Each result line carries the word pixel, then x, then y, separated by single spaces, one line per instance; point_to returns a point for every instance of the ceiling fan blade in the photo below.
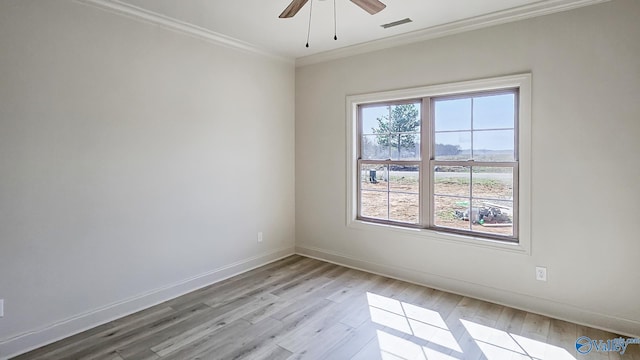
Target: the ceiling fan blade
pixel 371 6
pixel 293 8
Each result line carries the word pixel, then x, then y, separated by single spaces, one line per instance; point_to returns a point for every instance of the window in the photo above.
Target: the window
pixel 390 162
pixel 445 159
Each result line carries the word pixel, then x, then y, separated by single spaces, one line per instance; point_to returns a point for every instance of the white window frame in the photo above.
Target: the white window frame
pixel 523 83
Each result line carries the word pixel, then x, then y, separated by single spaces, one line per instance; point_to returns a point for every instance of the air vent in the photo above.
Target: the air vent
pixel 396 23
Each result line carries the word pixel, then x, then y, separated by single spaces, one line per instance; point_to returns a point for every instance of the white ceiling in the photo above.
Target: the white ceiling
pixel 256 21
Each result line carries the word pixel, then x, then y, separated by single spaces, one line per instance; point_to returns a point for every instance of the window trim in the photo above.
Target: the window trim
pixel 520 81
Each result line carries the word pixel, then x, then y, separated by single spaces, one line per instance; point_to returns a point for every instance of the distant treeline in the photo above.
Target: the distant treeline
pixel 446 149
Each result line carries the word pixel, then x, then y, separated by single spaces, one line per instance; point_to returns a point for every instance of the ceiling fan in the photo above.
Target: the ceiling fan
pixel 370 6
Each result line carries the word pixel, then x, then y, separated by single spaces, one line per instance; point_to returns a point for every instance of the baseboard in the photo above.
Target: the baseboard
pixel 59 330
pixel 537 305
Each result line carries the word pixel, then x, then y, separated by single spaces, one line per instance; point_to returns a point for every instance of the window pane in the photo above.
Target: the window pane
pixel 375 147
pixel 493 145
pixel 452 114
pixel 375 120
pixel 374 204
pixel 405 118
pixel 404 207
pixel 404 178
pixel 493 183
pixel 394 146
pixel 453 145
pixel 452 180
pixel 451 212
pixel 495 217
pixel 373 177
pixel 494 112
pixel 410 146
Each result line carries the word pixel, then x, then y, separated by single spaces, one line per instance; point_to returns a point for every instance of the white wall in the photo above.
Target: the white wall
pixel 135 163
pixel 585 183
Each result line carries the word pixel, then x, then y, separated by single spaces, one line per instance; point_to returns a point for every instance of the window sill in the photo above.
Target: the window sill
pixel 436 235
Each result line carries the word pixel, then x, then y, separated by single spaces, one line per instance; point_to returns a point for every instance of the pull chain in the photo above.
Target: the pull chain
pixel 309 30
pixel 335 26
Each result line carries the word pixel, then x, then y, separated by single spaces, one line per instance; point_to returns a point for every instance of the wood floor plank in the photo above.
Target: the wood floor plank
pixel 145 354
pixel 137 333
pixel 414 294
pixel 301 318
pixel 270 352
pixel 359 313
pixel 371 351
pixel 317 345
pixel 218 318
pixel 394 290
pixel 303 308
pixel 273 283
pixel 324 320
pixel 319 295
pixel 243 344
pixel 536 327
pixel 280 308
pixel 233 288
pixel 115 356
pixel 337 271
pixel 212 340
pixel 488 314
pixel 60 347
pixel 478 340
pixel 356 284
pixel 301 321
pixel 100 335
pixel 280 266
pixel 562 338
pixel 351 344
pixel 260 346
pixel 301 287
pixel 510 320
pixel 454 339
pixel 632 352
pixel 440 302
pixel 266 310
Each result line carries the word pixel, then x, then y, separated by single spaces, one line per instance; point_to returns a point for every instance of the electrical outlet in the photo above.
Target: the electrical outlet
pixel 1 308
pixel 260 236
pixel 541 273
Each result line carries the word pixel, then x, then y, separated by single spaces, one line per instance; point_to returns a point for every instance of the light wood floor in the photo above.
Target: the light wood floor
pixel 304 308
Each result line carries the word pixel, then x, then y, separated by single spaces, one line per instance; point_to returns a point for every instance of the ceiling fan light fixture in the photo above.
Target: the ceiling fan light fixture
pixel 396 23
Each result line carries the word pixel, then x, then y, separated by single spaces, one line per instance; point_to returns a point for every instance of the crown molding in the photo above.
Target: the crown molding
pixel 500 17
pixel 124 9
pixel 540 8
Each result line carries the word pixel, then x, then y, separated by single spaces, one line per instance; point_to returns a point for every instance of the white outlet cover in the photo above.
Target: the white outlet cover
pixel 541 273
pixel 1 308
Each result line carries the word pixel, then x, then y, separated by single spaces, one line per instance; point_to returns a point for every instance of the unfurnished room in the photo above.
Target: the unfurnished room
pixel 320 179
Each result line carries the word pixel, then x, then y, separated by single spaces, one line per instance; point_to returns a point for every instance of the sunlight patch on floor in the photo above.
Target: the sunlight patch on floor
pixel 414 332
pixel 497 344
pixel 412 320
